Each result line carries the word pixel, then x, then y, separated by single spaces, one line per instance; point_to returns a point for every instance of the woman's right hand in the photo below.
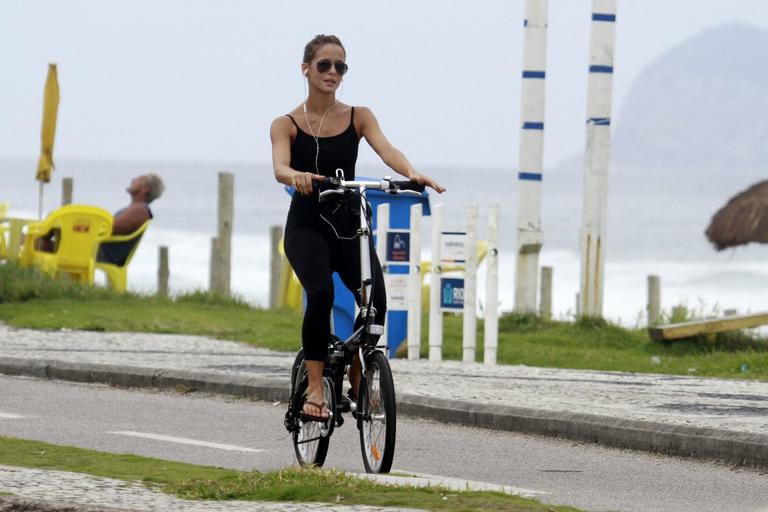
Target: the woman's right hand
pixel 302 181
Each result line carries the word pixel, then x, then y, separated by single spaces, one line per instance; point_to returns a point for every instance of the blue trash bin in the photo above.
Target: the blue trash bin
pixel 344 301
pixel 399 218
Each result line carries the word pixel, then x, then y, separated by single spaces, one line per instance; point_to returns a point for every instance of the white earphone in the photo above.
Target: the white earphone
pixel 306 72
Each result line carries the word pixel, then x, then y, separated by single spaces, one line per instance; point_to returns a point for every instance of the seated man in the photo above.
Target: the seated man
pixel 143 190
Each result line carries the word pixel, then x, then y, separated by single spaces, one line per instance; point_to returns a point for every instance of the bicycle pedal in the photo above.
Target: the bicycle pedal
pixel 346 405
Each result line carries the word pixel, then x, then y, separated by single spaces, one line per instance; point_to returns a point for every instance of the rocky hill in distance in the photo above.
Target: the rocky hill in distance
pixel 702 105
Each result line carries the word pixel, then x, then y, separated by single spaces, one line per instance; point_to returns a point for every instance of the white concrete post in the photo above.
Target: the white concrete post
pixel 469 340
pixel 599 88
pixel 414 285
pixel 491 331
pixel 529 233
pixel 382 226
pixel 435 314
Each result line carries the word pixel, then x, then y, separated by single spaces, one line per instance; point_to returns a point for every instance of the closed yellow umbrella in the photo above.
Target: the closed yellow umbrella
pixel 48 133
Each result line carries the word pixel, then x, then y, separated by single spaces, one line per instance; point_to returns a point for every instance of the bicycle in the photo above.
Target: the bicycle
pixel 374 411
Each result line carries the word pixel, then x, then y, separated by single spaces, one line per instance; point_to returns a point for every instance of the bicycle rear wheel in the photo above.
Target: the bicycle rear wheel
pixel 311 440
pixel 377 415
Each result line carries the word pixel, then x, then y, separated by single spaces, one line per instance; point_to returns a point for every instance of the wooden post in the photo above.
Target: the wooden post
pixel 469 340
pixel 382 226
pixel 162 272
pixel 530 168
pixel 435 314
pixel 215 274
pixel 597 156
pixel 545 303
pixel 284 280
pixel 491 330
pixel 654 300
pixel 221 252
pixel 414 285
pixel 66 191
pixel 276 235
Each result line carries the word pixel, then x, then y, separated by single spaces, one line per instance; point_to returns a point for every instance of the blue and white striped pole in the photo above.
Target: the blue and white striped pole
pixel 600 84
pixel 529 234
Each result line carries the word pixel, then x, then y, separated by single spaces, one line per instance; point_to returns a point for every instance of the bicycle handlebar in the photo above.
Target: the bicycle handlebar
pixel 337 186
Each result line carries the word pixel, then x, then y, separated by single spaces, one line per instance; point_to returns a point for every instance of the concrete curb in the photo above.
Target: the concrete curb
pixel 698 442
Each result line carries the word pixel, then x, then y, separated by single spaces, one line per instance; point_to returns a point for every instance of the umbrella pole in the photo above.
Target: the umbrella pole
pixel 40 203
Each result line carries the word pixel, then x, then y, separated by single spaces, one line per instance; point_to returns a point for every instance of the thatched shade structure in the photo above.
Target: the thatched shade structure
pixel 743 220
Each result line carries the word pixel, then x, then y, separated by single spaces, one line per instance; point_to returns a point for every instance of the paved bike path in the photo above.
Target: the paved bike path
pixel 709 418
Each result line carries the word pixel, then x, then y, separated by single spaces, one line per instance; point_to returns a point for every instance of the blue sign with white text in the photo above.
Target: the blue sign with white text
pixel 452 293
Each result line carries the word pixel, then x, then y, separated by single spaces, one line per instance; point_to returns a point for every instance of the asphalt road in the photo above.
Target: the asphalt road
pixel 242 434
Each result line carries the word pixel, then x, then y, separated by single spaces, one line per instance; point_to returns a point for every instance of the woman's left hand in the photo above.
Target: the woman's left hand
pixel 427 181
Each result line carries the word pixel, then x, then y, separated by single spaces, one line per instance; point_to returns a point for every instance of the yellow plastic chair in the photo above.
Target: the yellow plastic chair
pixel 3 231
pixel 79 231
pixel 117 275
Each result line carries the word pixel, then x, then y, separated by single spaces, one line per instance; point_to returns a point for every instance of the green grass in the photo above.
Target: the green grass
pixel 30 300
pixel 595 344
pixel 277 330
pixel 292 485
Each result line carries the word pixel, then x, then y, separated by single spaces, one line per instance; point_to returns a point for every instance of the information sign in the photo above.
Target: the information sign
pixel 397 291
pixel 452 249
pixel 451 293
pixel 398 246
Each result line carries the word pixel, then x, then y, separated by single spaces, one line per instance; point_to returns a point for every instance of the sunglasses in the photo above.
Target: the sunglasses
pixel 325 64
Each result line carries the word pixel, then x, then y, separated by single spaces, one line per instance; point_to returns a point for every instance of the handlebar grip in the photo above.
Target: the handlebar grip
pixel 321 184
pixel 409 185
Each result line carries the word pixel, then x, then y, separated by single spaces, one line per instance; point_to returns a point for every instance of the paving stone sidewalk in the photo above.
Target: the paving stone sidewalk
pixel 51 490
pixel 697 408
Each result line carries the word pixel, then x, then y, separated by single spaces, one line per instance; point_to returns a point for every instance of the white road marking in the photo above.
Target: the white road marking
pixel 11 416
pixel 193 442
pixel 423 479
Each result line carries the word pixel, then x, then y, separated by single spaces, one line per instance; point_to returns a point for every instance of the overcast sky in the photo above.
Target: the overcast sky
pixel 202 80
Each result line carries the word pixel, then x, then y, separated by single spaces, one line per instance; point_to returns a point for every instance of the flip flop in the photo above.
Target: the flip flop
pixel 313 417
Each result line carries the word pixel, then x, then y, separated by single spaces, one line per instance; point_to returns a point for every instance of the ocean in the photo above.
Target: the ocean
pixel 656 224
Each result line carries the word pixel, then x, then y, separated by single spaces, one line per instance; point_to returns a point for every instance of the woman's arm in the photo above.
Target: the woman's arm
pixel 280 134
pixel 390 155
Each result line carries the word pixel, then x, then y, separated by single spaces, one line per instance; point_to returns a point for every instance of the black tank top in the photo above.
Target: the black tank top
pixel 336 152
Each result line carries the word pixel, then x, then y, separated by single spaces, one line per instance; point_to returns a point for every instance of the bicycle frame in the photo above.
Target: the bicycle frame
pixel 367 310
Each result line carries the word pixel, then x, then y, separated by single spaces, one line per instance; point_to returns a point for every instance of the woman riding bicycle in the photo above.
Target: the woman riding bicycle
pixel 316 138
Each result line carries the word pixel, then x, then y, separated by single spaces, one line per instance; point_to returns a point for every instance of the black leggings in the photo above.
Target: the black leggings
pixel 315 253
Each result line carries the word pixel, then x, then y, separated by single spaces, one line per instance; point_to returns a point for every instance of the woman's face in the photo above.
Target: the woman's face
pixel 330 79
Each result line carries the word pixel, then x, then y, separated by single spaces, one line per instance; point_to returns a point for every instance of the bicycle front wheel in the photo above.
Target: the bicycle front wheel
pixel 377 415
pixel 311 440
